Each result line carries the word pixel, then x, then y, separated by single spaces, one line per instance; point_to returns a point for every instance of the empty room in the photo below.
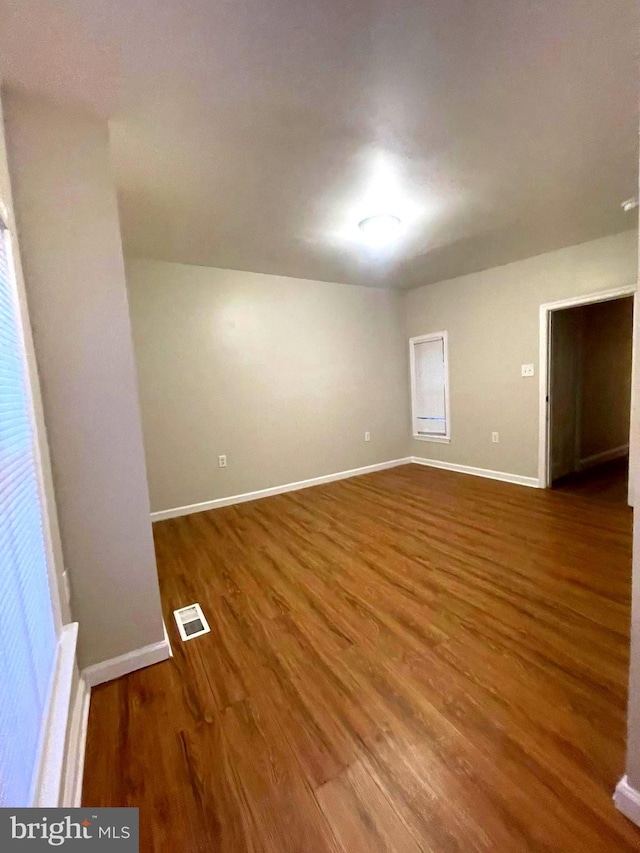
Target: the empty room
pixel 319 443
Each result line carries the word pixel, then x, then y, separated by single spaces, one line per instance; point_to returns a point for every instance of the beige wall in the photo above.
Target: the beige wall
pixel 493 322
pixel 633 723
pixel 72 259
pixel 282 375
pixel 606 376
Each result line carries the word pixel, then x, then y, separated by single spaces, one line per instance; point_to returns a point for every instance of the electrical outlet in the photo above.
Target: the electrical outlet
pixel 222 461
pixel 367 436
pixel 527 370
pixel 495 437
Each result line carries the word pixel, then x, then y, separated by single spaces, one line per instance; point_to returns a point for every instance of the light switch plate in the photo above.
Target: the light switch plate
pixel 527 370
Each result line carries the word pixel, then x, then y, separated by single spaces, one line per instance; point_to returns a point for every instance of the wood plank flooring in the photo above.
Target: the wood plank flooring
pixel 608 481
pixel 412 660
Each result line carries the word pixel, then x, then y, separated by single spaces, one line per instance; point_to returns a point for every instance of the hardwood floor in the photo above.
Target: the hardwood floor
pixel 608 482
pixel 412 660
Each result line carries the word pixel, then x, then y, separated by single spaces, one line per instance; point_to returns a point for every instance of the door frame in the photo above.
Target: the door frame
pixel 545 367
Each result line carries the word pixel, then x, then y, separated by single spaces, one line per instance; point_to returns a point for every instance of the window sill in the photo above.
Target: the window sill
pixel 440 439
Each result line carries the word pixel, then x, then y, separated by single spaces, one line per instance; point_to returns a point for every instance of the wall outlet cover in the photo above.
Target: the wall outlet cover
pixel 527 370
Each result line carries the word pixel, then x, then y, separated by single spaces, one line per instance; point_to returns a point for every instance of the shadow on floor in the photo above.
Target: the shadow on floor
pixel 606 482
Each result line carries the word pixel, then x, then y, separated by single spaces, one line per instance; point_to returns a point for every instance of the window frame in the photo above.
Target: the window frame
pixel 60 603
pixel 445 438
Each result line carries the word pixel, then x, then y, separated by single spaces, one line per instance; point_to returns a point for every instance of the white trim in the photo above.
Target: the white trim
pixel 49 775
pixel 421 339
pixel 532 482
pixel 627 800
pixel 107 670
pixel 543 370
pixel 74 765
pixel 604 456
pixel 275 490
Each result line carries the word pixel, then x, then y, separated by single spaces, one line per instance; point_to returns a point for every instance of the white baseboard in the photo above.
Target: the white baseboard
pixel 107 670
pixel 627 800
pixel 76 743
pixel 275 490
pixel 50 774
pixel 605 456
pixel 532 482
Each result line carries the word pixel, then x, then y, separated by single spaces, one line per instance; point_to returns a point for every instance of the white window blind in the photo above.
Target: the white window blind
pixel 430 386
pixel 27 634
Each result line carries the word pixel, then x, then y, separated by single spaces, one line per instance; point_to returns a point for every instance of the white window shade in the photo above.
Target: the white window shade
pixel 430 387
pixel 27 633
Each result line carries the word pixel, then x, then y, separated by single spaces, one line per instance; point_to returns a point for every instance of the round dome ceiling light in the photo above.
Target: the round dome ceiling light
pixel 380 230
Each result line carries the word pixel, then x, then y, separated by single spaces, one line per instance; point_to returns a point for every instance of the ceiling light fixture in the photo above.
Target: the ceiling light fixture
pixel 380 230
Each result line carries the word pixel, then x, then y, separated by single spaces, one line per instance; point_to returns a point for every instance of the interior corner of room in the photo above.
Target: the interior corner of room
pixel 227 359
pixel 319 445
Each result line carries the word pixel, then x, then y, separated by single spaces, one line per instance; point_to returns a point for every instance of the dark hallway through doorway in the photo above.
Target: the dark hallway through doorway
pixel 606 482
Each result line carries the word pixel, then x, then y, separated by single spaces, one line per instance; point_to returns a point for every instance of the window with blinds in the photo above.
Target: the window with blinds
pixel 430 387
pixel 27 633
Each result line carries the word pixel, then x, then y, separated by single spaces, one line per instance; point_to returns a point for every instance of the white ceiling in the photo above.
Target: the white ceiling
pixel 255 134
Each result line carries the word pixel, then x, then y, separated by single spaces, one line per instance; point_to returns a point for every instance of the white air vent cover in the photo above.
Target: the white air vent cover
pixel 191 622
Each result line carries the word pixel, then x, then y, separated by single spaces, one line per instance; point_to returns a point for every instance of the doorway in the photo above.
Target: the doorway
pixel 585 413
